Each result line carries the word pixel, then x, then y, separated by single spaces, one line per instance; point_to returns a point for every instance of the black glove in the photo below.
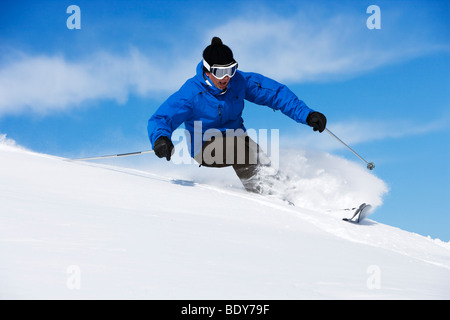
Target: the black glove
pixel 163 148
pixel 316 120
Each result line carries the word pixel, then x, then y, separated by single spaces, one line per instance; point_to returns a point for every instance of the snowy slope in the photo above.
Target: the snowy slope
pixel 73 230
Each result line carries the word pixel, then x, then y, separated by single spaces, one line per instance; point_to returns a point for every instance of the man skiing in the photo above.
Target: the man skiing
pixel 210 105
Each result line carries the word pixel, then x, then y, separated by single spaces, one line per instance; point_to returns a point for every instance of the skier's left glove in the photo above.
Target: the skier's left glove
pixel 316 120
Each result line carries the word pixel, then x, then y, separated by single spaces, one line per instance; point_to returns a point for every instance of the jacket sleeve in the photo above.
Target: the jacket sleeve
pixel 265 91
pixel 169 116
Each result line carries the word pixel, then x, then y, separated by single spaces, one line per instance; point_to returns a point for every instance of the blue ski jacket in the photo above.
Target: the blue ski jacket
pixel 199 100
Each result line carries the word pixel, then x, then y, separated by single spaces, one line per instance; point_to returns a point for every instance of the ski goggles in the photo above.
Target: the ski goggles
pixel 221 71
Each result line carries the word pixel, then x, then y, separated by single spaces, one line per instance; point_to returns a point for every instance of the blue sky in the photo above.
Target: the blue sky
pixel 385 92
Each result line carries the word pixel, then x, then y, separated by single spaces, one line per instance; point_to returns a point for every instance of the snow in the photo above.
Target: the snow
pixel 83 230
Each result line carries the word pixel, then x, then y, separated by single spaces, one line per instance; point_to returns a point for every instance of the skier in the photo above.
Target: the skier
pixel 210 105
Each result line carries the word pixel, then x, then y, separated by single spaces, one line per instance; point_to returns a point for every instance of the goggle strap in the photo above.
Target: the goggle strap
pixel 206 65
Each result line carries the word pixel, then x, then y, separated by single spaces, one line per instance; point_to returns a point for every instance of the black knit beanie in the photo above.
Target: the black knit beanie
pixel 218 53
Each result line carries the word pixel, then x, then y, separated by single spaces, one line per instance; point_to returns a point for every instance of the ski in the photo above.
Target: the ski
pixel 360 214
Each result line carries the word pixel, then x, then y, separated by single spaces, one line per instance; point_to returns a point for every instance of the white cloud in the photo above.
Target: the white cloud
pixel 363 131
pixel 309 47
pixel 305 46
pixel 48 83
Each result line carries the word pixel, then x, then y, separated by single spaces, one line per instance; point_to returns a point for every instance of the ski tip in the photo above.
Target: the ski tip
pixel 360 214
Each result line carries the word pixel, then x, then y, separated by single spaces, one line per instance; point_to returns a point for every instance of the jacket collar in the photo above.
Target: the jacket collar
pixel 204 80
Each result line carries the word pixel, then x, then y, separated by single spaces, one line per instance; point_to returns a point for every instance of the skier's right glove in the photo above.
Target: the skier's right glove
pixel 163 148
pixel 317 120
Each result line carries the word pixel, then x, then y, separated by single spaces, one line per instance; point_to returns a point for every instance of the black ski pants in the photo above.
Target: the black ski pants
pixel 240 152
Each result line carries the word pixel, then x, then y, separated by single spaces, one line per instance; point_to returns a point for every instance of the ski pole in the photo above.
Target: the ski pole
pixel 113 155
pixel 370 165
